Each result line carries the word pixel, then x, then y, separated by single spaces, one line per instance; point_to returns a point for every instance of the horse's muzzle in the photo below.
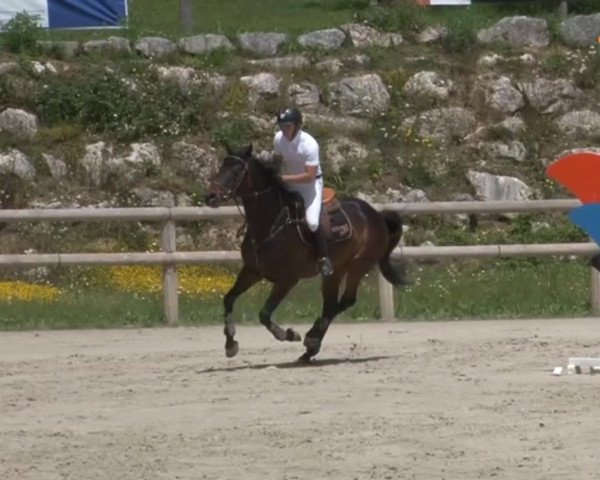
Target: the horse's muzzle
pixel 212 200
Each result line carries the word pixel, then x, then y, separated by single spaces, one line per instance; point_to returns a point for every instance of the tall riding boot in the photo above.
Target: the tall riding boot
pixel 325 266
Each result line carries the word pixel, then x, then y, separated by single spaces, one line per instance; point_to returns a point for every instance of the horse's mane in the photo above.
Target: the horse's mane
pixel 269 170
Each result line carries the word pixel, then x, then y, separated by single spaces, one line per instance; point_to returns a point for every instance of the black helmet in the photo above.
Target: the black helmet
pixel 289 115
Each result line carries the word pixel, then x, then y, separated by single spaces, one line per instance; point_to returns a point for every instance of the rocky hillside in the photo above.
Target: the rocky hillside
pixel 400 116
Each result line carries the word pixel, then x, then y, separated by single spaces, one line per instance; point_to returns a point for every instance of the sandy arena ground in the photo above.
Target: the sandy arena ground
pixel 456 400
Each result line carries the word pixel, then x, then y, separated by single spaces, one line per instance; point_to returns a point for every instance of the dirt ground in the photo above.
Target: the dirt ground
pixel 456 400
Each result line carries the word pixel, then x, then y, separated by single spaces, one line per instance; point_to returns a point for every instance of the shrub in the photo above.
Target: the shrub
pixel 21 33
pixel 105 101
pixel 461 35
pixel 399 15
pixel 584 6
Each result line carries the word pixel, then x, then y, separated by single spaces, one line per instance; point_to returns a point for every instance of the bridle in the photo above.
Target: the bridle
pixel 226 193
pixel 232 192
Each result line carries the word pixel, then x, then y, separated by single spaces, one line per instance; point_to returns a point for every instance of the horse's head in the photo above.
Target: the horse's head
pixel 241 174
pixel 232 177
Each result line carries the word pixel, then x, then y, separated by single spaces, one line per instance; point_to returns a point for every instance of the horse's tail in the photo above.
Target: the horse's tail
pixel 395 274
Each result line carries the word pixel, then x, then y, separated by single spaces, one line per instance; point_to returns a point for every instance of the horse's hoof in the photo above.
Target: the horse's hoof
pixel 312 343
pixel 232 349
pixel 292 335
pixel 305 358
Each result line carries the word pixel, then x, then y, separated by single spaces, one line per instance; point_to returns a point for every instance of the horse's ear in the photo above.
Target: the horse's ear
pixel 228 149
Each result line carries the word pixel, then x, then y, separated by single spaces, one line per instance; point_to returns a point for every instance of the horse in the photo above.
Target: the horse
pixel 277 247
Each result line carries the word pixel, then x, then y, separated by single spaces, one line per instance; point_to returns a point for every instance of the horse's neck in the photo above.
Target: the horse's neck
pixel 262 211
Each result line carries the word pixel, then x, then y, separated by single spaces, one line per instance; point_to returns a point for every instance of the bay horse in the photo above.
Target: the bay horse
pixel 275 247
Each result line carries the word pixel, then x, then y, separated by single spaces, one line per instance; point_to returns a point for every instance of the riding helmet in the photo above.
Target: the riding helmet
pixel 289 115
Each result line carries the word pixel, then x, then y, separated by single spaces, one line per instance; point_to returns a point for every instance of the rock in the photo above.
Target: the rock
pixel 8 67
pixel 517 32
pixel 143 159
pixel 291 62
pixel 329 39
pixel 509 150
pixel 261 43
pixel 305 96
pixel 330 65
pixel 155 47
pixel 501 95
pixel 363 36
pixel 431 34
pixel 551 96
pixel 148 197
pixel 261 85
pixel 580 124
pixel 343 151
pixel 97 156
pixel 362 96
pixel 108 45
pixel 41 68
pixel 204 44
pixel 193 161
pixel 184 77
pixel 18 123
pixel 497 187
pixel 444 125
pixel 580 30
pixel 57 167
pixel 65 49
pixel 429 85
pixel 14 162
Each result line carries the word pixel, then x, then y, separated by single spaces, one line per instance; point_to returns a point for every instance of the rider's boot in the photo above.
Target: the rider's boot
pixel 325 266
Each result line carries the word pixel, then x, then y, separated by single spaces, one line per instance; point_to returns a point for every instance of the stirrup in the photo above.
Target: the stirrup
pixel 325 267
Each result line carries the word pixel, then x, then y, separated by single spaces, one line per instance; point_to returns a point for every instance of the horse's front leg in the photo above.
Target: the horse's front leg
pixel 278 293
pixel 245 279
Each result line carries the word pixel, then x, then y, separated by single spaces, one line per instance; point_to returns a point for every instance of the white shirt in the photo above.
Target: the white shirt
pixel 301 151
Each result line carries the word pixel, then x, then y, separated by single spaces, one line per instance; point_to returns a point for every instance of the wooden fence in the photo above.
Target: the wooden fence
pixel 169 258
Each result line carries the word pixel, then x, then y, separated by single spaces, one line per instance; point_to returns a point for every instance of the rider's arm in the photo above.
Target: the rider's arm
pixel 309 174
pixel 311 166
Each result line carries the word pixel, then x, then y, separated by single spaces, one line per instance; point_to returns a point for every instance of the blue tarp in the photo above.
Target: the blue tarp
pixel 86 13
pixel 68 13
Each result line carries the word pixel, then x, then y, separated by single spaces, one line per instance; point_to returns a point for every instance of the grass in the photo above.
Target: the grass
pixel 494 289
pixel 152 17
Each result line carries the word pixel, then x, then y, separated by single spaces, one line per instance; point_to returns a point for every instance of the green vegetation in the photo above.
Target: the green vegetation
pixel 450 290
pixel 122 98
pixel 21 34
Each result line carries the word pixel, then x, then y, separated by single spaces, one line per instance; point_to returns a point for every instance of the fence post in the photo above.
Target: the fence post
pixel 595 290
pixel 170 300
pixel 186 16
pixel 386 298
pixel 563 9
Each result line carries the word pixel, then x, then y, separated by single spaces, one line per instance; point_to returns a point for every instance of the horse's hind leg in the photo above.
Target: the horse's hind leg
pixel 278 293
pixel 245 279
pixel 331 307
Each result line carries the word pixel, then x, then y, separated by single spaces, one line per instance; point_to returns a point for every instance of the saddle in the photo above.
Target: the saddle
pixel 333 220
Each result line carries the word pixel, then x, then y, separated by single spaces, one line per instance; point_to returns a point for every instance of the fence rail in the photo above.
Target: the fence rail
pixel 169 258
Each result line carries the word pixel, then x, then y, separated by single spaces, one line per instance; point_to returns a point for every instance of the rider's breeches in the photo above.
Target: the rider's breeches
pixel 312 193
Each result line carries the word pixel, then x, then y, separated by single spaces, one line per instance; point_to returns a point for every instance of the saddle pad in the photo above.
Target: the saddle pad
pixel 340 228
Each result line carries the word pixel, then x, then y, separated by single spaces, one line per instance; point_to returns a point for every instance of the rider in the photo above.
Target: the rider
pixel 301 172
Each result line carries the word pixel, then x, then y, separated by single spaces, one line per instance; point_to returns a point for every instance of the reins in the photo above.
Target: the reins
pixel 235 195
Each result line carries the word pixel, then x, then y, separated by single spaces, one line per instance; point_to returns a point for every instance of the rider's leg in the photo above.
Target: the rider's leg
pixel 313 212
